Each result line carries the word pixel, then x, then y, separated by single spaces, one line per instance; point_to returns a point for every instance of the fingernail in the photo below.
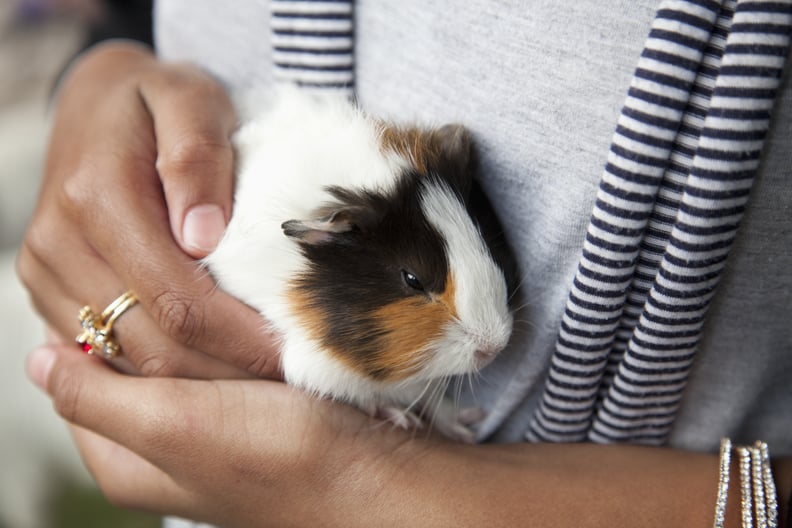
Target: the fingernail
pixel 203 227
pixel 39 365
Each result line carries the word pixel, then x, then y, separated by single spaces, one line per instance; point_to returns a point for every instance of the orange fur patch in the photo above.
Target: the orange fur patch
pixel 310 316
pixel 404 329
pixel 414 144
pixel 410 325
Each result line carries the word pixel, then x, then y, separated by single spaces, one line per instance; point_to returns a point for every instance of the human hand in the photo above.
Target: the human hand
pixel 259 453
pixel 138 184
pixel 233 453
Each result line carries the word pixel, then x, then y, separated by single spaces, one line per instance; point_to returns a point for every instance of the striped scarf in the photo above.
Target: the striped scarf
pixel 677 179
pixel 680 168
pixel 312 43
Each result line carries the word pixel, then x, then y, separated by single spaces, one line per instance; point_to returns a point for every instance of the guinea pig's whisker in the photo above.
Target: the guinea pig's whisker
pixel 436 399
pixel 473 379
pixel 465 380
pixel 202 272
pixel 525 322
pixel 416 402
pixel 203 267
pixel 471 387
pixel 523 306
pixel 517 288
pixel 457 391
pixel 426 403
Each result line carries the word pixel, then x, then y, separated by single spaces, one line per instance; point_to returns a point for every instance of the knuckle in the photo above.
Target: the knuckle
pixel 207 88
pixel 38 244
pixel 158 365
pixel 192 153
pixel 28 269
pixel 76 193
pixel 181 317
pixel 263 365
pixel 24 264
pixel 197 85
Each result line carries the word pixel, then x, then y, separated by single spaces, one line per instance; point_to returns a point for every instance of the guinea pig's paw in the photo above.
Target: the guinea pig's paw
pixel 454 423
pixel 471 415
pixel 462 433
pixel 455 430
pixel 403 418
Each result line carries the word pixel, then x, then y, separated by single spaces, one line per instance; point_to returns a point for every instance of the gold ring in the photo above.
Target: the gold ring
pixel 97 334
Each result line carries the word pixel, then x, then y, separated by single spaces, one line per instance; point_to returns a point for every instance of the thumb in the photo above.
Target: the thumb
pixel 193 122
pixel 201 228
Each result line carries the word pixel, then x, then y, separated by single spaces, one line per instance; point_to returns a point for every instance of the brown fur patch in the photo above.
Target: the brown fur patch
pixel 414 144
pixel 410 325
pixel 310 316
pixel 403 328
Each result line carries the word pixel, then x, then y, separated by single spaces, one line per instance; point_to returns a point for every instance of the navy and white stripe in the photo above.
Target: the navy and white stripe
pixel 676 183
pixel 639 154
pixel 666 205
pixel 312 43
pixel 645 394
pixel 658 231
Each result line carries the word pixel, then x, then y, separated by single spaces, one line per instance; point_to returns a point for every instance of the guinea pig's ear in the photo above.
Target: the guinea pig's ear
pixel 455 161
pixel 324 229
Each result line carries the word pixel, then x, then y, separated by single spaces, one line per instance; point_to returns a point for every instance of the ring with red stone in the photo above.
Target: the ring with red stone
pixel 97 329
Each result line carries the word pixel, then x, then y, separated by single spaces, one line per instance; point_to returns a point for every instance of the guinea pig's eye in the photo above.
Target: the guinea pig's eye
pixel 412 281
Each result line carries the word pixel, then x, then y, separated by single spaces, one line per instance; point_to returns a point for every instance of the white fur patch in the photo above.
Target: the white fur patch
pixel 290 147
pixel 484 321
pixel 286 155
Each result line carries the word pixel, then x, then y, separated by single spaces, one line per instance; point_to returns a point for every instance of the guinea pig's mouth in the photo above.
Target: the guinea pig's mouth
pixel 484 356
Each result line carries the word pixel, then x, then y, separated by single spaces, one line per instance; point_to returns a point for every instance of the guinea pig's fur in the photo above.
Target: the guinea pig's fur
pixel 353 239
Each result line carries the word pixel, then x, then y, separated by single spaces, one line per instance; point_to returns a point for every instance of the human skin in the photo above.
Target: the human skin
pixel 135 145
pixel 256 453
pixel 138 184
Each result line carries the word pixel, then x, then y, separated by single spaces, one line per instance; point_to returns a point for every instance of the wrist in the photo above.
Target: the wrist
pixel 387 481
pixel 444 484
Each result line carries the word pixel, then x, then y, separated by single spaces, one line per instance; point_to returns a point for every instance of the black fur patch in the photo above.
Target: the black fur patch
pixel 359 271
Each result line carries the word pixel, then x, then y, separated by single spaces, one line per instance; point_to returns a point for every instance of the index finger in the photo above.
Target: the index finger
pixel 193 120
pixel 156 418
pixel 133 235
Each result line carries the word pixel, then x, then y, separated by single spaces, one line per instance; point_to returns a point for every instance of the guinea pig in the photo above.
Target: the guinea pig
pixel 354 240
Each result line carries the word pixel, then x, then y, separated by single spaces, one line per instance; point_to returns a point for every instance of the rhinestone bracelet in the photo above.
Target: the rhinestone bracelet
pixel 758 501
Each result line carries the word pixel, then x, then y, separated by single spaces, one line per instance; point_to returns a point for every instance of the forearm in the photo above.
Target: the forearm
pixel 293 461
pixel 576 485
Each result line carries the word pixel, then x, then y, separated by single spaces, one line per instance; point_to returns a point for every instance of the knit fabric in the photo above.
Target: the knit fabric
pixel 675 186
pixel 312 44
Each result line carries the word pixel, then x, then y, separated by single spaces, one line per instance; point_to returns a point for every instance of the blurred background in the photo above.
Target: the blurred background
pixel 42 482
